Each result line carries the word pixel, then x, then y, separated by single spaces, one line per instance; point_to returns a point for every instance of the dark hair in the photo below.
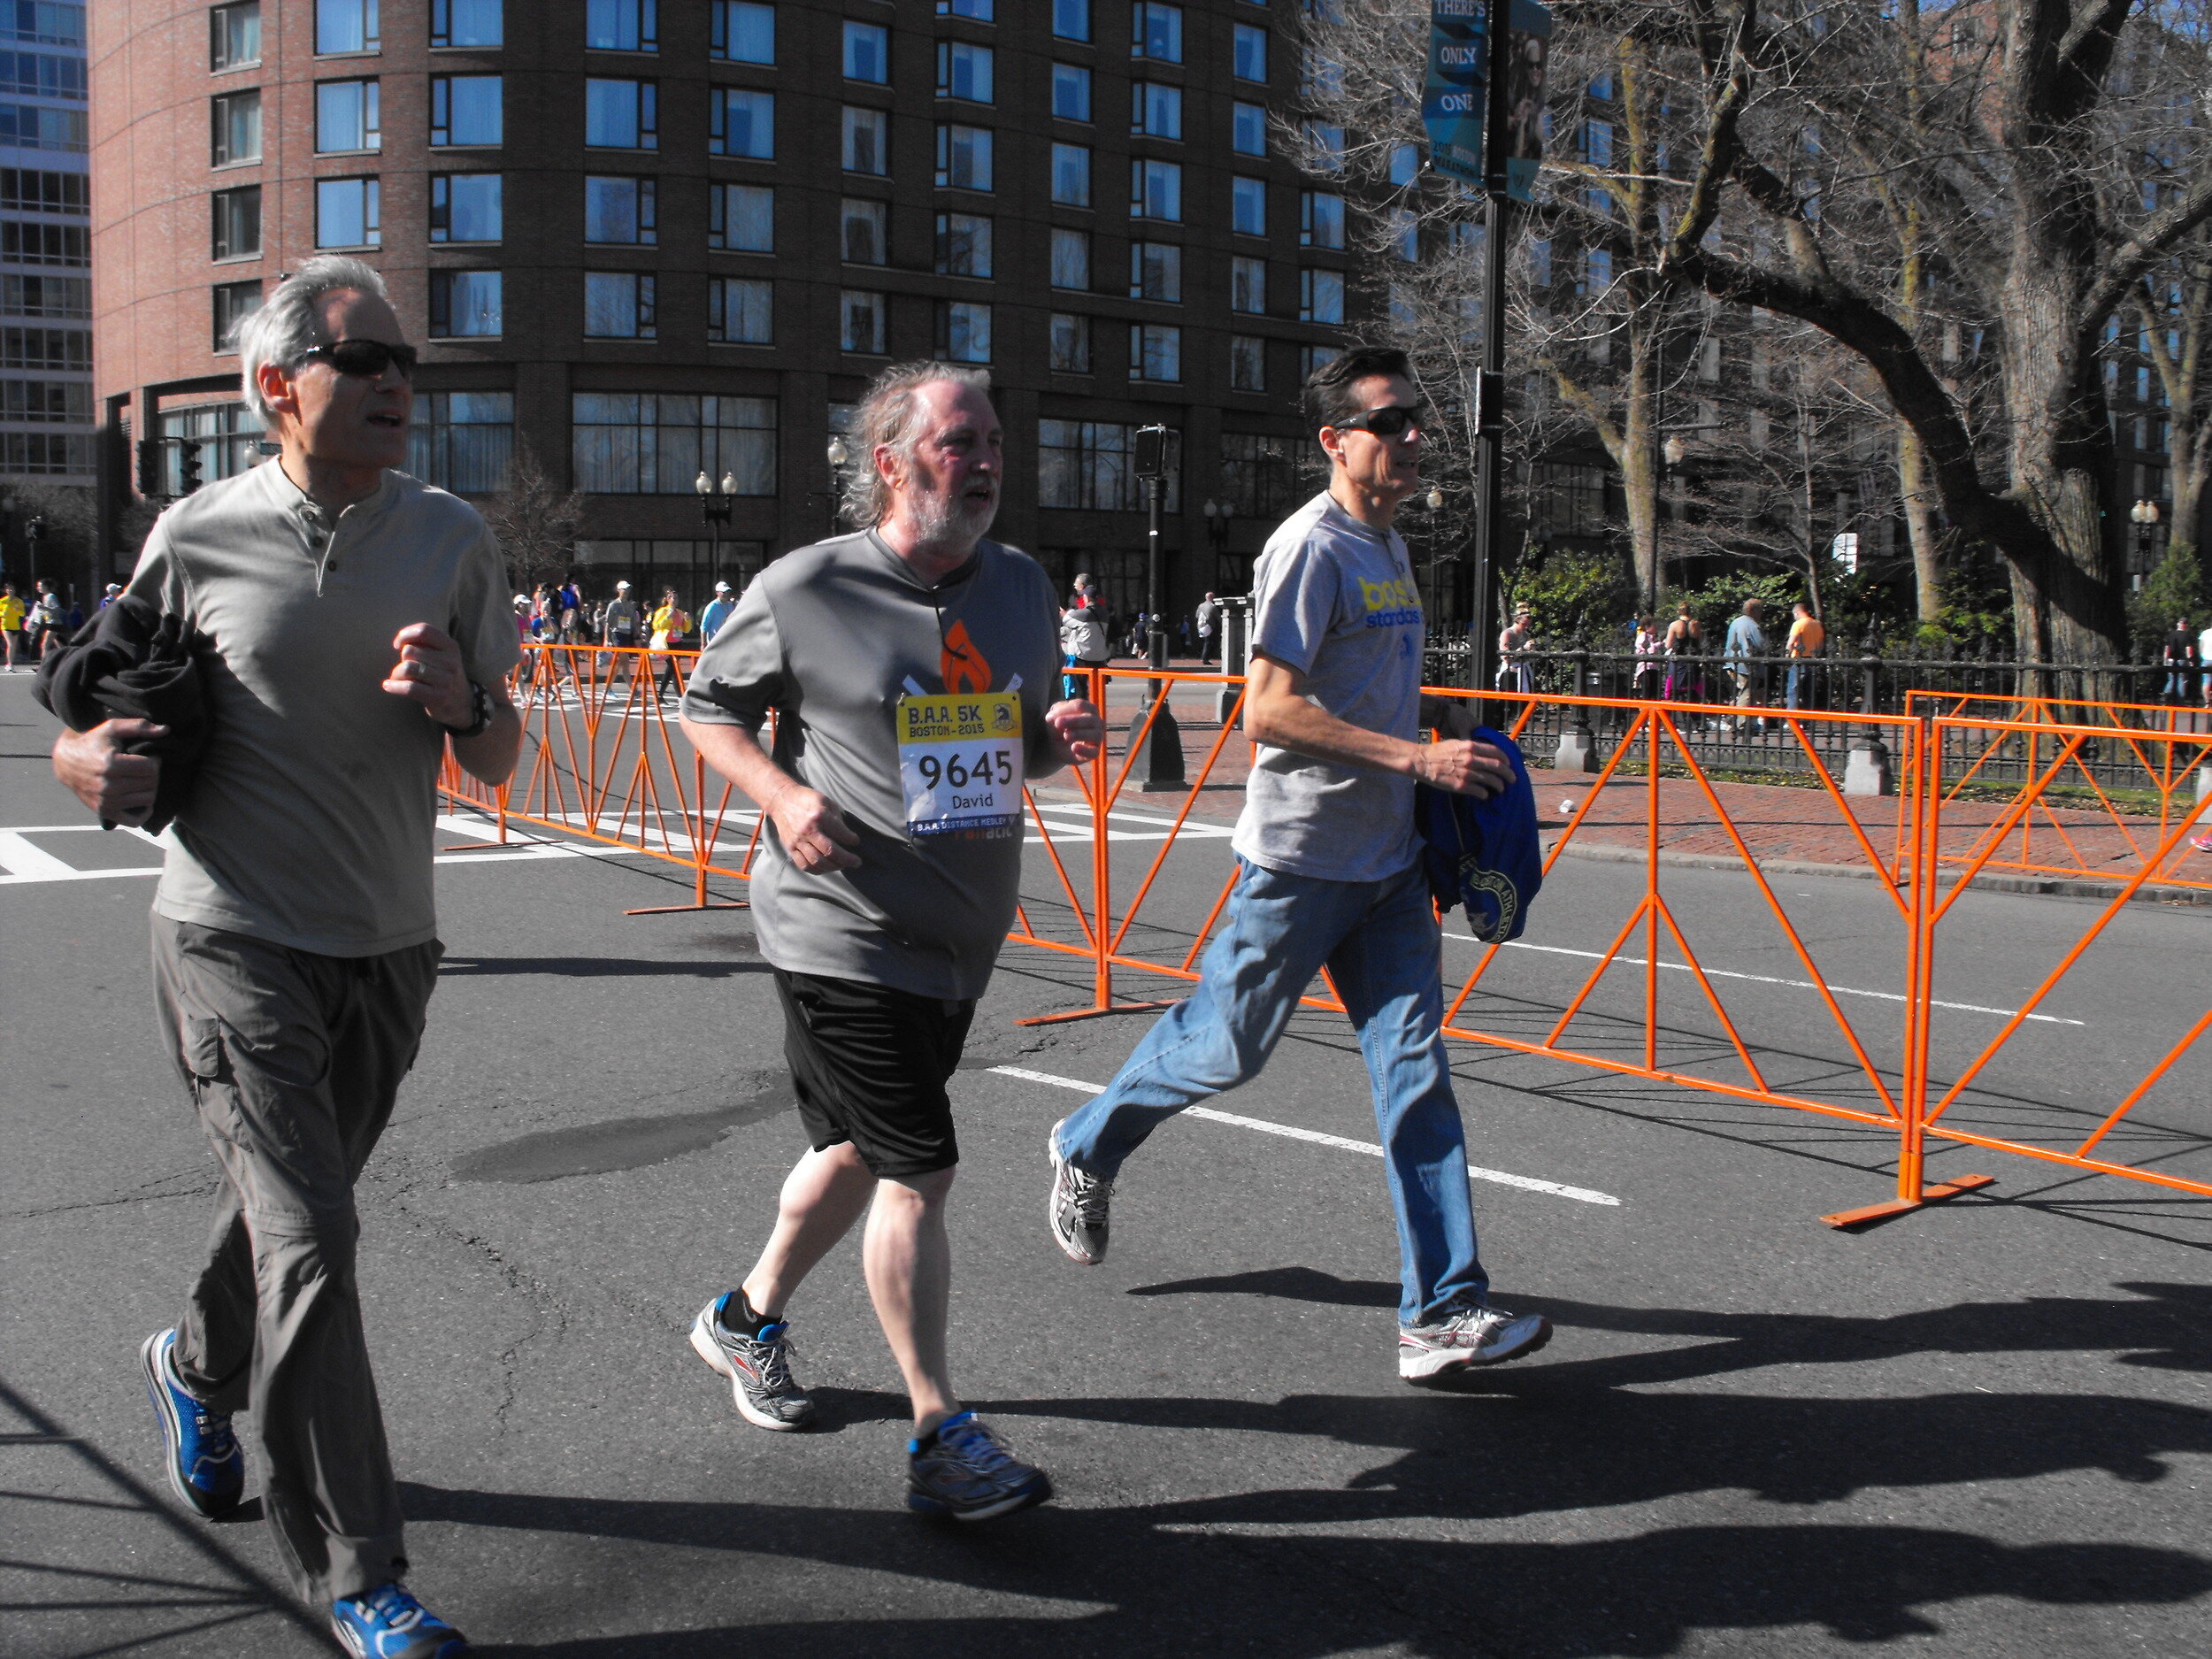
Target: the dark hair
pixel 1328 395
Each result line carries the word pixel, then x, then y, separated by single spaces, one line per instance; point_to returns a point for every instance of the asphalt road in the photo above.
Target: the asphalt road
pixel 1982 1428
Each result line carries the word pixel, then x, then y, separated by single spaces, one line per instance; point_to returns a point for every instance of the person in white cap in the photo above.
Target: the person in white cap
pixel 717 611
pixel 618 626
pixel 114 592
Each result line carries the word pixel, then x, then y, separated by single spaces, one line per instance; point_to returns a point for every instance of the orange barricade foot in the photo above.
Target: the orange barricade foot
pixel 677 909
pixel 1846 1220
pixel 1097 1013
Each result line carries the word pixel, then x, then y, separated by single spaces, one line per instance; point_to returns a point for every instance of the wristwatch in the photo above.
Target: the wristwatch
pixel 480 704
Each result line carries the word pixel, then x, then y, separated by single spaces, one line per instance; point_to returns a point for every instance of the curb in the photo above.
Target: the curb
pixel 2041 887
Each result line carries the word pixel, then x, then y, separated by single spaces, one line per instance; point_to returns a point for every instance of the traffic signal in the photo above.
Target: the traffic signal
pixel 149 467
pixel 189 466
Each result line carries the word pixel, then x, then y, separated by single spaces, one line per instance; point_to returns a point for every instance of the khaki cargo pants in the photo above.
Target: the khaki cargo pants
pixel 294 1060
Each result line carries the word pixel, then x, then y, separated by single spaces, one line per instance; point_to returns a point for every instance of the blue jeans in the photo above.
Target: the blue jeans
pixel 1789 697
pixel 1380 942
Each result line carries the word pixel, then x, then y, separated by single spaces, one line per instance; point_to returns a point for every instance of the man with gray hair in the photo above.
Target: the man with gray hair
pixel 909 669
pixel 356 624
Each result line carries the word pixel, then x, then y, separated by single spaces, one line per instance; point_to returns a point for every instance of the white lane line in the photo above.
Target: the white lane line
pixel 26 862
pixel 1765 979
pixel 1527 1183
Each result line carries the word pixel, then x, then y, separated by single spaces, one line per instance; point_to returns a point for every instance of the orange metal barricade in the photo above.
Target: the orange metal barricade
pixel 601 762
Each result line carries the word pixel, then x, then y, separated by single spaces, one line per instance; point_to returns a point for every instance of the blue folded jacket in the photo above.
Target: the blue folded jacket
pixel 1484 854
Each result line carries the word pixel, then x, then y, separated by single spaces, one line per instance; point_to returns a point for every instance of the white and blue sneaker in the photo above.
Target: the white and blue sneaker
pixel 965 1471
pixel 206 1468
pixel 389 1623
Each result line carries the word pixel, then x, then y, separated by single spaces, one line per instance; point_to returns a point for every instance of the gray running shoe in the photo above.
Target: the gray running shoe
pixel 965 1471
pixel 1079 1206
pixel 759 1367
pixel 1466 1337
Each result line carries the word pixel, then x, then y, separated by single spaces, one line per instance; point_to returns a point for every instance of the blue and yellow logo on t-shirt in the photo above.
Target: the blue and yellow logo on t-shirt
pixel 1391 604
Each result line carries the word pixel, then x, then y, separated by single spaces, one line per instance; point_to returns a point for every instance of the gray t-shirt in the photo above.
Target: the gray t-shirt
pixel 310 821
pixel 828 636
pixel 1336 601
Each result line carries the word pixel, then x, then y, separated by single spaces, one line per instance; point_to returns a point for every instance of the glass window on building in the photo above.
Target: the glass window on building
pixel 465 304
pixel 743 32
pixel 29 241
pixel 1247 53
pixel 1089 463
pixel 1154 110
pixel 1155 189
pixel 34 190
pixel 346 116
pixel 863 231
pixel 1325 140
pixel 1071 343
pixel 1248 206
pixel 1248 129
pixel 1071 175
pixel 867 52
pixel 963 157
pixel 867 140
pixel 466 207
pixel 963 71
pixel 964 245
pixel 480 23
pixel 742 218
pixel 237 222
pixel 229 435
pixel 1156 352
pixel 346 25
pixel 467 110
pixel 59 401
pixel 741 310
pixel 1320 296
pixel 1247 285
pixel 1070 259
pixel 978 10
pixel 1156 271
pixel 1405 164
pixel 621 210
pixel 462 440
pixel 642 443
pixel 1320 220
pixel 618 305
pixel 234 301
pixel 741 122
pixel 43 22
pixel 622 114
pixel 1070 92
pixel 622 26
pixel 1155 31
pixel 860 322
pixel 234 119
pixel 1072 19
pixel 34 127
pixel 964 330
pixel 1311 358
pixel 347 213
pixel 1259 474
pixel 45 453
pixel 45 296
pixel 233 36
pixel 1248 363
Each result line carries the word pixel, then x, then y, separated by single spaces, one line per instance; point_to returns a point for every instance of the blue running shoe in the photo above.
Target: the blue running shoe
pixel 389 1623
pixel 966 1473
pixel 206 1469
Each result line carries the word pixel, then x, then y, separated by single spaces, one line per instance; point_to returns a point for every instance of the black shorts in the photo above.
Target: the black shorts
pixel 869 1064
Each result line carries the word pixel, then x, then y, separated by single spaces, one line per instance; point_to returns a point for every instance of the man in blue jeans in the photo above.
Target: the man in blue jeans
pixel 1329 874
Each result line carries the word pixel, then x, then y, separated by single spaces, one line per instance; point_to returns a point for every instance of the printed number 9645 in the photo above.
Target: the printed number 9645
pixel 990 765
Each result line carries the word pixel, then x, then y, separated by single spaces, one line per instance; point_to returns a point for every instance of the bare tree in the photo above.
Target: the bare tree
pixel 534 521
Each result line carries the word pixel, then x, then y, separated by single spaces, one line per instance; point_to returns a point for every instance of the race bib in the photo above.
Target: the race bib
pixel 960 761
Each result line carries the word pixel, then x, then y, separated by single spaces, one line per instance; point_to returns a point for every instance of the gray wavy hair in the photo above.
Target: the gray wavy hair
pixel 889 415
pixel 288 327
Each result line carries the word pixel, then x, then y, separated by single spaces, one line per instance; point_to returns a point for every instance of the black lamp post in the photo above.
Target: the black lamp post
pixel 715 507
pixel 1217 534
pixel 1156 457
pixel 2143 515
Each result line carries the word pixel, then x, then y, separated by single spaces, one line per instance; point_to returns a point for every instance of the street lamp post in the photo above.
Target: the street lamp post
pixel 1156 457
pixel 2144 517
pixel 715 506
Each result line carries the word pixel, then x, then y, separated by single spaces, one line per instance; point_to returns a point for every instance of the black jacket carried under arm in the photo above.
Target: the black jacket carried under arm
pixel 134 664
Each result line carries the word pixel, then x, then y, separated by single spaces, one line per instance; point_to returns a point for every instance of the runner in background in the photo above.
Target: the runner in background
pixel 717 611
pixel 671 624
pixel 910 671
pixel 12 615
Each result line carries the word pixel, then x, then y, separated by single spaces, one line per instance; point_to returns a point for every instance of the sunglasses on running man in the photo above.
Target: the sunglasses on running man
pixel 367 358
pixel 1389 421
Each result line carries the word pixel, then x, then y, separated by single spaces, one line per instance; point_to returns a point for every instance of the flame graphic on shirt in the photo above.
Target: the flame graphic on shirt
pixel 963 663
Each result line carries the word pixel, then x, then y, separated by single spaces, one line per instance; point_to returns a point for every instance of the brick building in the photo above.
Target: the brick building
pixel 653 238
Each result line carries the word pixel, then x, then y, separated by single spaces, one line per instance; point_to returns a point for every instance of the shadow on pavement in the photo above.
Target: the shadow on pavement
pixel 594 967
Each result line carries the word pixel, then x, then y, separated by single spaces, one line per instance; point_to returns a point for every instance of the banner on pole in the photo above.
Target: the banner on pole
pixel 1455 106
pixel 1527 44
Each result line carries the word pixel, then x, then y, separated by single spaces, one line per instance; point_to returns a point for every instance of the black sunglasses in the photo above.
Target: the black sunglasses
pixel 368 358
pixel 1388 422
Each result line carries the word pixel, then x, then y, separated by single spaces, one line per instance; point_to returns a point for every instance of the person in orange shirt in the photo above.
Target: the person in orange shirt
pixel 1806 636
